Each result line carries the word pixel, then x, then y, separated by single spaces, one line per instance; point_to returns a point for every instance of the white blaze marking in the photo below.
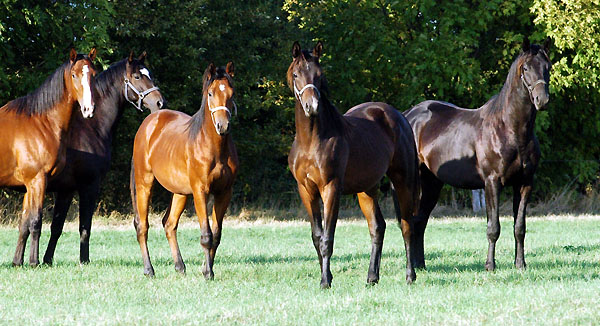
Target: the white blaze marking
pixel 145 72
pixel 222 87
pixel 86 106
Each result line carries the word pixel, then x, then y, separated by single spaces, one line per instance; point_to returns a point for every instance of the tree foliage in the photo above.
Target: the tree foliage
pixel 400 52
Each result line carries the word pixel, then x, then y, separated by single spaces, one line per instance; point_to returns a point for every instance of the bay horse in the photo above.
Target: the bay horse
pixel 89 145
pixel 32 130
pixel 336 154
pixel 188 155
pixel 491 147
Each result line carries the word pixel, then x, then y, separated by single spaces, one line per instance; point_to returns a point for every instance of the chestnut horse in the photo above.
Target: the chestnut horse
pixel 490 147
pixel 187 155
pixel 336 154
pixel 31 140
pixel 89 144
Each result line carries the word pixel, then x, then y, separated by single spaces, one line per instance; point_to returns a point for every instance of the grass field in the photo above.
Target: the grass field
pixel 267 273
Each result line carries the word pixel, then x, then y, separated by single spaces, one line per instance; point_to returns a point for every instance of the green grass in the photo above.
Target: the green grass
pixel 267 273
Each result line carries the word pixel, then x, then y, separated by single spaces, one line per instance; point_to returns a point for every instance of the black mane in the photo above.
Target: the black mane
pixel 105 81
pixel 44 97
pixel 197 121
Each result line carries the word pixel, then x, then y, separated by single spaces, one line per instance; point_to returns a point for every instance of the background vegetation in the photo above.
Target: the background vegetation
pixel 400 52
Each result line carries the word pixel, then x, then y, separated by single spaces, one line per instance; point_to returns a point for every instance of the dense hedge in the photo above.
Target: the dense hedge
pixel 400 52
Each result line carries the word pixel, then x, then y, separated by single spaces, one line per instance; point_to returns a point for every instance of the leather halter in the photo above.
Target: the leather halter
pixel 140 95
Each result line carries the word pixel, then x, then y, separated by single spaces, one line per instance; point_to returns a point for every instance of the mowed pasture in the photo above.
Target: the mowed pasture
pixel 266 272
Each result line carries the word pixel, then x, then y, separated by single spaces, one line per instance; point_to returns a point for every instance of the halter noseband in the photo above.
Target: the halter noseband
pixel 219 108
pixel 299 92
pixel 531 87
pixel 140 95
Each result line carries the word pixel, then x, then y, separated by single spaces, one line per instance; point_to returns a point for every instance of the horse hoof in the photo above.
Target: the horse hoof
pixel 17 264
pixel 325 285
pixel 209 276
pixel 84 262
pixel 490 267
pixel 410 278
pixel 371 280
pixel 149 272
pixel 180 269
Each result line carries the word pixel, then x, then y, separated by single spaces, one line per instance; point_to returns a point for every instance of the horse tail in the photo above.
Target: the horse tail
pixel 136 215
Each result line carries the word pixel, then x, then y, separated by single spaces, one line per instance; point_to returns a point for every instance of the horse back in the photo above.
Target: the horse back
pixel 446 138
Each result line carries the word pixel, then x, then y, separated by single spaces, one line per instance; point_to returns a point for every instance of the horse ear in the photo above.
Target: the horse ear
pixel 318 50
pixel 72 55
pixel 296 50
pixel 229 69
pixel 547 44
pixel 142 56
pixel 526 44
pixel 92 54
pixel 130 59
pixel 210 70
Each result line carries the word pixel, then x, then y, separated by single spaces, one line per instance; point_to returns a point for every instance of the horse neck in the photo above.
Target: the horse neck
pixel 60 115
pixel 109 109
pixel 327 123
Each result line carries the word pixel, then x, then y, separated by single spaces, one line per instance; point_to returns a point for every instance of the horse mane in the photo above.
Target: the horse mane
pixel 496 102
pixel 196 123
pixel 105 81
pixel 44 97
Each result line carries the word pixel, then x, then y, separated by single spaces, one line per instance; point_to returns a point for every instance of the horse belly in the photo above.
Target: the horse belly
pixel 174 180
pixel 457 168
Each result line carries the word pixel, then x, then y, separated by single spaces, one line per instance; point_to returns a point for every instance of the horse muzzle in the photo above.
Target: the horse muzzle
pixel 87 111
pixel 311 107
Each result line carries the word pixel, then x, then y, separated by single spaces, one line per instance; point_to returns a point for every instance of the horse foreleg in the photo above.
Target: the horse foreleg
pixel 370 208
pixel 200 200
pixel 88 198
pixel 492 199
pixel 59 214
pixel 219 208
pixel 331 204
pixel 32 214
pixel 311 202
pixel 170 223
pixel 520 199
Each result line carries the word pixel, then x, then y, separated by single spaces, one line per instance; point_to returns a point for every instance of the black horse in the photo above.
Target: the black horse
pixel 89 144
pixel 490 147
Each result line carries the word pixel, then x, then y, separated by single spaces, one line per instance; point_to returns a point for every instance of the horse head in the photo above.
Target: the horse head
pixel 534 71
pixel 139 87
pixel 305 77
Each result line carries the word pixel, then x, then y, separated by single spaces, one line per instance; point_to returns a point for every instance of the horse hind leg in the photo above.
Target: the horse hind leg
pixel 370 208
pixel 141 187
pixel 170 223
pixel 407 206
pixel 430 193
pixel 59 214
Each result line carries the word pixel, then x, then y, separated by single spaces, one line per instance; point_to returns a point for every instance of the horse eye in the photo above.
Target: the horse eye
pixel 137 77
pixel 524 68
pixel 209 94
pixel 295 76
pixel 73 75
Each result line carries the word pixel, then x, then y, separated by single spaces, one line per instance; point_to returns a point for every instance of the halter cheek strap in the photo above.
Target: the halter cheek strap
pixel 140 95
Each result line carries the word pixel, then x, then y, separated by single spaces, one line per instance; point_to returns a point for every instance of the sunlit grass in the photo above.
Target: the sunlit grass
pixel 267 273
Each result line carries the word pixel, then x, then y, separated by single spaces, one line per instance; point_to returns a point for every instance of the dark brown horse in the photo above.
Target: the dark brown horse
pixel 334 155
pixel 31 140
pixel 187 155
pixel 490 147
pixel 89 144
